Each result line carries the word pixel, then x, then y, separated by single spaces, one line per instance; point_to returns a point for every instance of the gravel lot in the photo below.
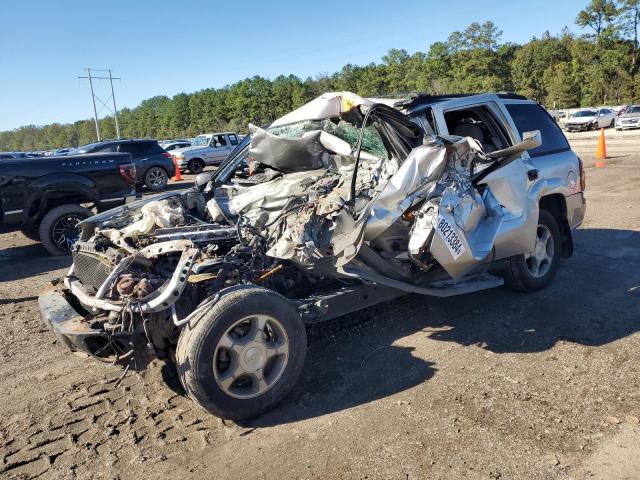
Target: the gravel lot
pixel 491 385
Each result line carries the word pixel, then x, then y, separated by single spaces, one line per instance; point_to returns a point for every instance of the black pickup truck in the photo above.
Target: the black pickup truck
pixel 46 197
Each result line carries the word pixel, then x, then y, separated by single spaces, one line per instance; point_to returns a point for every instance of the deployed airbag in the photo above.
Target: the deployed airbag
pixel 288 154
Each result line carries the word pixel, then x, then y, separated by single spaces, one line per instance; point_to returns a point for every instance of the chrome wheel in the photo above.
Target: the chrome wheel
pixel 251 356
pixel 539 261
pixel 65 231
pixel 156 179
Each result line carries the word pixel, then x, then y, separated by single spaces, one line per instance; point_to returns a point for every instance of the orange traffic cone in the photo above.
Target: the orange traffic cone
pixel 177 177
pixel 601 153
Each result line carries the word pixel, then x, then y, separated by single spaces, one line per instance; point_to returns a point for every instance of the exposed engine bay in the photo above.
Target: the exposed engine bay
pixel 340 192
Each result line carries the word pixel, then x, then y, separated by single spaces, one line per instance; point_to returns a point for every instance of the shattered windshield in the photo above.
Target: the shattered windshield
pixel 371 140
pixel 200 141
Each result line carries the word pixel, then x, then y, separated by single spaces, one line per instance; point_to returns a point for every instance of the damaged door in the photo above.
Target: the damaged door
pixel 506 193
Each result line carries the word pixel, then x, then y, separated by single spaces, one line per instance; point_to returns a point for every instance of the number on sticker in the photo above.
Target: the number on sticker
pixel 450 237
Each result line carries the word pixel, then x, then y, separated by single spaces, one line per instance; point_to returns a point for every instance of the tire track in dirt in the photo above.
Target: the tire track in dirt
pixel 98 421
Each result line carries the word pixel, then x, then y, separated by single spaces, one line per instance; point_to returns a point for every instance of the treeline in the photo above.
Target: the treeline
pixel 599 67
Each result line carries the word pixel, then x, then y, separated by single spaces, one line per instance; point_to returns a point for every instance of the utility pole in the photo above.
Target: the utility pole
pixel 115 109
pixel 94 97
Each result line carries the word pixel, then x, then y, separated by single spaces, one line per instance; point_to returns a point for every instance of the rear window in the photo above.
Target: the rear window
pixel 531 116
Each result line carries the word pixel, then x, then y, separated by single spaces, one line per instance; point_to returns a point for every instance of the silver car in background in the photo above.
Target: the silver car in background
pixel 629 119
pixel 206 149
pixel 585 120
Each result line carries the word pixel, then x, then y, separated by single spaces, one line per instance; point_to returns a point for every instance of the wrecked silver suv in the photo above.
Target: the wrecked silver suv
pixel 348 202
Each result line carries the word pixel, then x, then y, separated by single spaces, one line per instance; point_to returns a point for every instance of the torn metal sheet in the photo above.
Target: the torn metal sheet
pixel 328 105
pixel 417 177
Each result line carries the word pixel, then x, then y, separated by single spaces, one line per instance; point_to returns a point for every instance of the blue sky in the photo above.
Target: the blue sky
pixel 161 47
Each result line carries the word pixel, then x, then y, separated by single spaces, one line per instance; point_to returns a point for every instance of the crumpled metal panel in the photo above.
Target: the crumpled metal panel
pixel 465 227
pixel 417 175
pixel 264 203
pixel 423 166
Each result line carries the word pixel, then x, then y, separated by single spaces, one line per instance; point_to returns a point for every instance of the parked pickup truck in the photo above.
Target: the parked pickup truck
pixel 207 149
pixel 154 166
pixel 351 202
pixel 46 197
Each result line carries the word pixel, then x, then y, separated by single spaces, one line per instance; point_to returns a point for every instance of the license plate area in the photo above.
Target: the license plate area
pixel 450 237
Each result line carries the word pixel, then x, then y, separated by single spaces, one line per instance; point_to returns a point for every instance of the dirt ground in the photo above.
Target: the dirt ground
pixel 490 385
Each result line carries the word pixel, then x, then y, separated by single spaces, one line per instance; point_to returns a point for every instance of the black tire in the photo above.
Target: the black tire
pixel 31 233
pixel 196 351
pixel 156 179
pixel 54 220
pixel 613 123
pixel 195 166
pixel 518 275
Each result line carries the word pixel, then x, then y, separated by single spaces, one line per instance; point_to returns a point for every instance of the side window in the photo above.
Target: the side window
pixel 219 139
pixel 107 148
pixel 233 139
pixel 480 123
pixel 531 116
pixel 136 149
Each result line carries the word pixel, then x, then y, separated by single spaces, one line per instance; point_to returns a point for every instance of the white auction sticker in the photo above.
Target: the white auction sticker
pixel 450 237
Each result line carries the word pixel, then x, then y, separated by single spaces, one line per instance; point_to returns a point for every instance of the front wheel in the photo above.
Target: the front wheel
pixel 244 355
pixel 195 166
pixel 534 270
pixel 59 228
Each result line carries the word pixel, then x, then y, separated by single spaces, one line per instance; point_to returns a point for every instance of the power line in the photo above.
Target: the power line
pixel 94 97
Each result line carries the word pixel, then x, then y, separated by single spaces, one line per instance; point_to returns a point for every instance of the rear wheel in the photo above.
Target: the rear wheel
pixel 59 228
pixel 156 178
pixel 195 166
pixel 244 355
pixel 533 271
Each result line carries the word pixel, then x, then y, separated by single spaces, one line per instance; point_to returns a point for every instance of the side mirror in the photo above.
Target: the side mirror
pixel 202 179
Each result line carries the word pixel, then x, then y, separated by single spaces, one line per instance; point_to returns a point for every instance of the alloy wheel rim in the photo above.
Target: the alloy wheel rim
pixel 156 178
pixel 251 356
pixel 540 259
pixel 65 231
